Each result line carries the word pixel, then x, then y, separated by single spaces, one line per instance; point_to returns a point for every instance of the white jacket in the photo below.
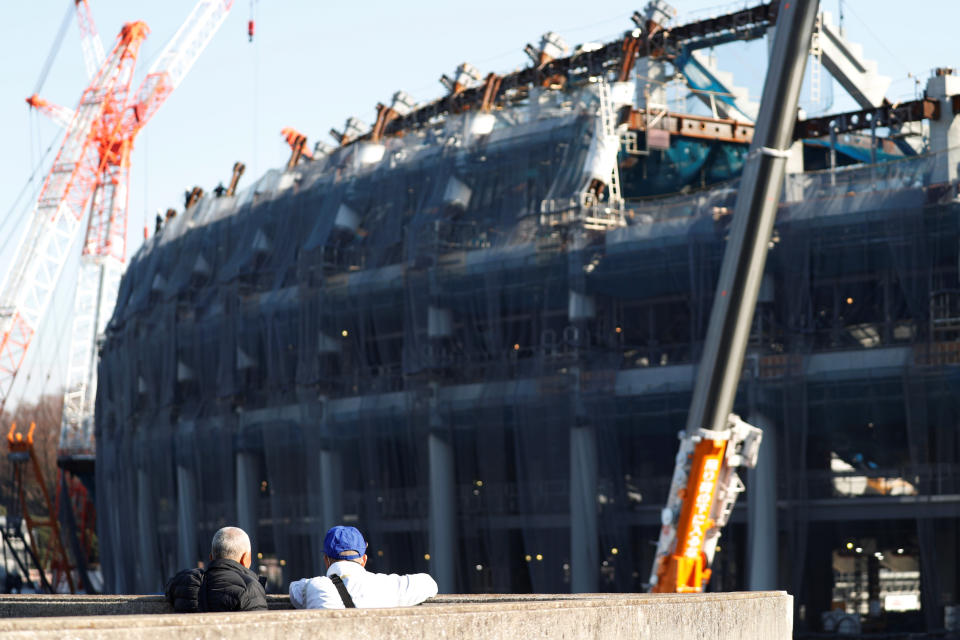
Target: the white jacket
pixel 368 590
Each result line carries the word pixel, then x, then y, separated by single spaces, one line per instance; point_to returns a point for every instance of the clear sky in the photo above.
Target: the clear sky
pixel 313 63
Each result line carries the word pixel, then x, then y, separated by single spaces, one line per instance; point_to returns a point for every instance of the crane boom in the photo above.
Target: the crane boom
pixel 56 220
pixel 63 116
pixel 705 485
pixel 104 251
pixel 90 42
pixel 178 56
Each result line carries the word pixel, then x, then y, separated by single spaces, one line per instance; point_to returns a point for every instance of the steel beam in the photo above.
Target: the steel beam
pixel 745 24
pixel 889 115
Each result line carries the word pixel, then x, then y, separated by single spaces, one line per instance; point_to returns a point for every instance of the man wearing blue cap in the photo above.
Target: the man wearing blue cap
pixel 348 584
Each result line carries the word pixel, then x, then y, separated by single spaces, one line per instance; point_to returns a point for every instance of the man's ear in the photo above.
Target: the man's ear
pixel 245 559
pixel 363 560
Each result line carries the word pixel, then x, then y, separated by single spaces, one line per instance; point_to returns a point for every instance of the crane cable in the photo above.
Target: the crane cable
pixel 35 141
pixel 61 328
pixel 8 216
pixel 54 49
pixel 256 84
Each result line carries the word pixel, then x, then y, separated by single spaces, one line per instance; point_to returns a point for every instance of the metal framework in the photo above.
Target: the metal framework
pixel 613 56
pixel 63 201
pixel 888 115
pixel 22 453
pixel 92 170
pixel 89 38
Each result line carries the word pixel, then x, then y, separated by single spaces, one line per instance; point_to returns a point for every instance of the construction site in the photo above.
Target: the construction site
pixel 473 330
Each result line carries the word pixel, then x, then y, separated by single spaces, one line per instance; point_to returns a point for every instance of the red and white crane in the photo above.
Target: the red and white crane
pixel 90 178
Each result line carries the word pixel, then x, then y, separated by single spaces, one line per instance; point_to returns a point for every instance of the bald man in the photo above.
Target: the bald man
pixel 227 585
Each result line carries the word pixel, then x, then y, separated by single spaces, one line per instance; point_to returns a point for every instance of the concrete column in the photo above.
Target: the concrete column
pixel 945 132
pixel 331 489
pixel 443 541
pixel 584 540
pixel 248 493
pixel 762 511
pixel 116 552
pixel 148 580
pixel 581 306
pixel 186 519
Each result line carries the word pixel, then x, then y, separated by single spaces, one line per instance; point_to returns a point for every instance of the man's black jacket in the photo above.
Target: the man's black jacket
pixel 226 586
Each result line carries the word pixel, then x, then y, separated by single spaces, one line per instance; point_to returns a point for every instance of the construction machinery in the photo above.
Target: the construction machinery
pixel 53 558
pixel 715 442
pixel 90 180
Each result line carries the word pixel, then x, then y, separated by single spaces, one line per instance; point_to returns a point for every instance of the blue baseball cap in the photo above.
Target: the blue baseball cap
pixel 344 543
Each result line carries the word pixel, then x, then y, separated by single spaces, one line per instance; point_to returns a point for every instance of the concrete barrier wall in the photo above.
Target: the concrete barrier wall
pixel 719 616
pixel 45 606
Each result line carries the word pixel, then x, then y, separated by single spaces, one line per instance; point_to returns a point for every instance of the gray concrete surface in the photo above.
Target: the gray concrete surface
pixel 45 606
pixel 763 615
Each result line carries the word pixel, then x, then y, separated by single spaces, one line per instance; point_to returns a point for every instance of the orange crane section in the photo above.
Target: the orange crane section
pixel 64 197
pixel 685 571
pixel 22 453
pixel 91 172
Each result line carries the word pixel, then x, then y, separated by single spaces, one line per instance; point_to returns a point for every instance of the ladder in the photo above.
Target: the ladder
pixel 816 64
pixel 609 130
pixel 22 454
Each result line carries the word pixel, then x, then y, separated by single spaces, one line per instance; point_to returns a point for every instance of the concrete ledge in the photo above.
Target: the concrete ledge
pixel 59 605
pixel 766 615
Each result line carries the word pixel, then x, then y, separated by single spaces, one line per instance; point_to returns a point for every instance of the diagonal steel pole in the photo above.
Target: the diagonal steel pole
pixel 743 261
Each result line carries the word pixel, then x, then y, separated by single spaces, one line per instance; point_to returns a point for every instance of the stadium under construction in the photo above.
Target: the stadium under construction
pixel 472 330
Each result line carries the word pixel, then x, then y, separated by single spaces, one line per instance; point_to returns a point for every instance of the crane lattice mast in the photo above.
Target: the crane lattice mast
pixel 91 173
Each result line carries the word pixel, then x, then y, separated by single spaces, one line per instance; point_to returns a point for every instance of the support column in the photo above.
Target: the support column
pixel 584 540
pixel 946 540
pixel 186 519
pixel 945 132
pixel 116 552
pixel 443 541
pixel 331 490
pixel 762 545
pixel 248 493
pixel 325 480
pixel 930 595
pixel 147 581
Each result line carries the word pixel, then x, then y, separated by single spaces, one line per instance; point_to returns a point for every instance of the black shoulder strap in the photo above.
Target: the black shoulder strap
pixel 344 594
pixel 202 592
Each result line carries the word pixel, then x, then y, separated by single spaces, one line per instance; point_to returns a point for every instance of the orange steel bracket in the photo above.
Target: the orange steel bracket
pixel 385 115
pixel 298 146
pixel 491 87
pixel 630 47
